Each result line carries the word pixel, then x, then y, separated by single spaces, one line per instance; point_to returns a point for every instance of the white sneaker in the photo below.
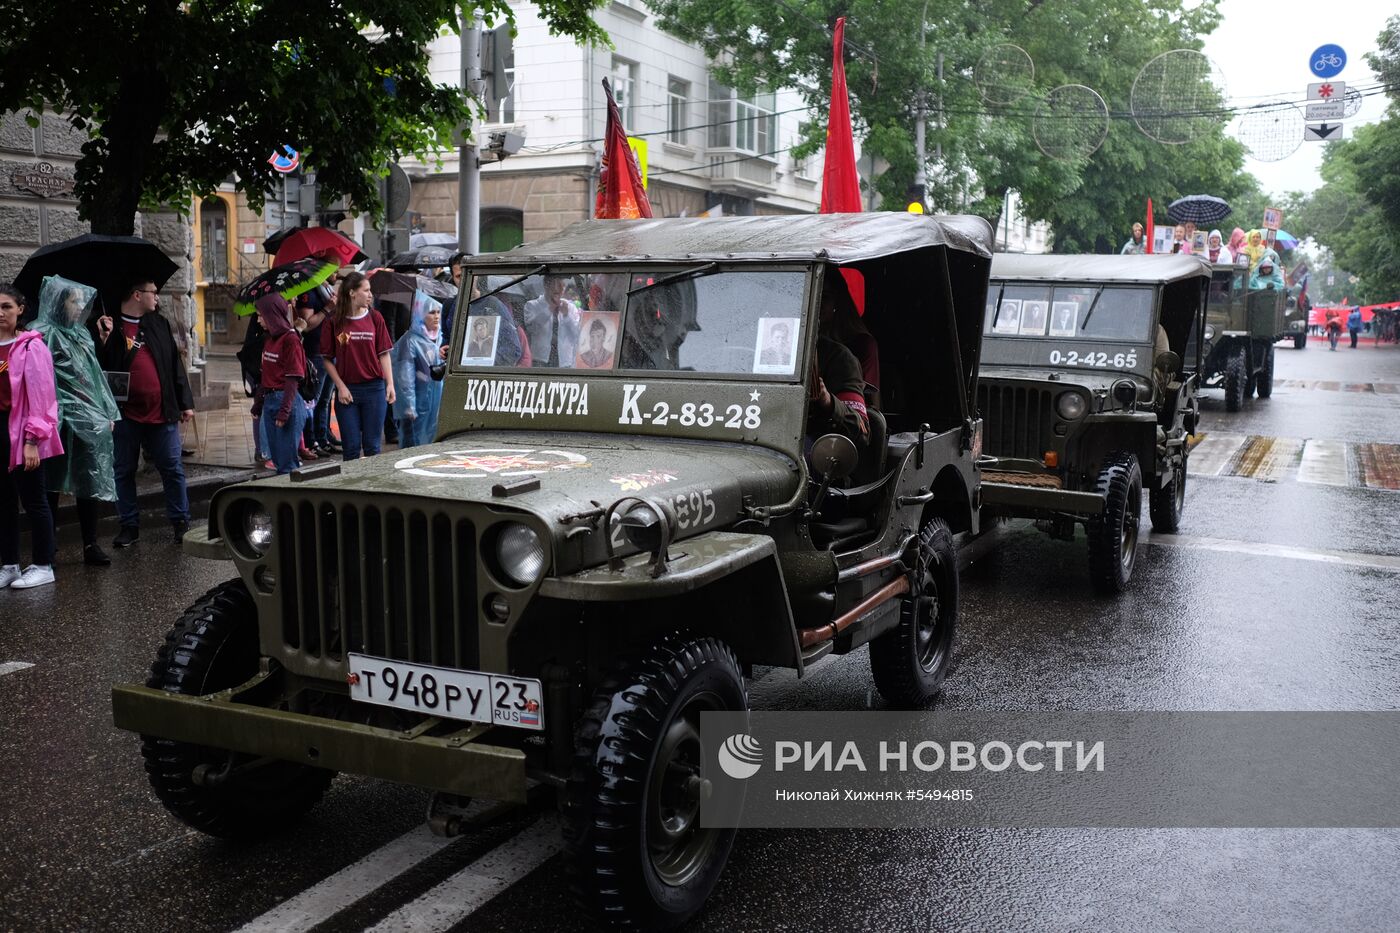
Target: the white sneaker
pixel 34 575
pixel 9 573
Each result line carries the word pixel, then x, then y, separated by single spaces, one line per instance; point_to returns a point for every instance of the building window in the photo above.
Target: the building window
pixel 677 110
pixel 217 321
pixel 744 123
pixel 501 229
pixel 624 82
pixel 213 240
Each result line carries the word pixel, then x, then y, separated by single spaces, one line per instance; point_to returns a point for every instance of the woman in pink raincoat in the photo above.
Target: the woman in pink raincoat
pixel 29 405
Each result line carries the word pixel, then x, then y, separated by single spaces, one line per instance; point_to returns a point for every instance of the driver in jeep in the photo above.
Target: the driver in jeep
pixel 838 384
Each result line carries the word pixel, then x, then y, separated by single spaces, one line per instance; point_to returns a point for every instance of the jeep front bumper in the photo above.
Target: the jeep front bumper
pixel 458 763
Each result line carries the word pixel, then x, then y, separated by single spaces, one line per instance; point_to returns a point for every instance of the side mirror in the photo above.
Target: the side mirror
pixel 1168 361
pixel 834 457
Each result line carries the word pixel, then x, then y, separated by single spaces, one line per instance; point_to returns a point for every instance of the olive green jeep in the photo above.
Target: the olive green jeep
pixel 1242 325
pixel 1085 398
pixel 596 549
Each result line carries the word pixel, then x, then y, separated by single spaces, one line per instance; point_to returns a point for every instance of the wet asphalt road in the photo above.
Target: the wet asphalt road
pixel 1214 621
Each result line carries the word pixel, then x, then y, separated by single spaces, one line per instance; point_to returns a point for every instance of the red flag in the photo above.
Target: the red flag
pixel 1151 227
pixel 840 182
pixel 620 191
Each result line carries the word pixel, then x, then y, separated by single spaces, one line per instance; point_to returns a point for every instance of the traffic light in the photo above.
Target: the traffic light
pixel 914 198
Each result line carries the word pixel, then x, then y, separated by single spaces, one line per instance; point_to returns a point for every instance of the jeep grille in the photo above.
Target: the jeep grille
pixel 1016 420
pixel 394 583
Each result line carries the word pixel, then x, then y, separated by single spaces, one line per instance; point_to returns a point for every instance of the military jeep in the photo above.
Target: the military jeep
pixel 1085 398
pixel 1242 326
pixel 596 549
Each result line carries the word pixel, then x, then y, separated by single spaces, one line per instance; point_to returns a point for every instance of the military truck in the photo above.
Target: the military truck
pixel 1085 397
pixel 596 549
pixel 1242 326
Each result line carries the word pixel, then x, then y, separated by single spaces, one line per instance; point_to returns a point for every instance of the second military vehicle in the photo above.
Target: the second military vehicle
pixel 1088 395
pixel 1242 325
pixel 598 549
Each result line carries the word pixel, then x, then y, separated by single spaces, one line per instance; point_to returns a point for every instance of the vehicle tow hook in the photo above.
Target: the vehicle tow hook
pixel 447 814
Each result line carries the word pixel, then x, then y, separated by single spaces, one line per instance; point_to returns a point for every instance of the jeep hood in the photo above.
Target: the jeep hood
pixel 574 471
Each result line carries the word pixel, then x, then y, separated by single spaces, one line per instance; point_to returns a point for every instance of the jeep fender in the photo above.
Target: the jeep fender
pixel 722 583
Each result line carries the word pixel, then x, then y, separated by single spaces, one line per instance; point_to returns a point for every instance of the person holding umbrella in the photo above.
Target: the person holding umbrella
pixel 87 412
pixel 29 409
pixel 158 400
pixel 356 346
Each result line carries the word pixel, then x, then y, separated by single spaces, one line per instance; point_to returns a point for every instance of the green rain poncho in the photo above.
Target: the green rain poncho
pixel 86 409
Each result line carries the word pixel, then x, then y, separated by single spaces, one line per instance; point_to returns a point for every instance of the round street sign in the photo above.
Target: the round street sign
pixel 1327 61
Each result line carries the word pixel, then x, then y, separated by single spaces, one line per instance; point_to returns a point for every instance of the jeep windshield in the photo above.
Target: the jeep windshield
pixel 1073 312
pixel 701 319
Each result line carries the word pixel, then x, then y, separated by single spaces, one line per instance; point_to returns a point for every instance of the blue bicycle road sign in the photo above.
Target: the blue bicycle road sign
pixel 1327 61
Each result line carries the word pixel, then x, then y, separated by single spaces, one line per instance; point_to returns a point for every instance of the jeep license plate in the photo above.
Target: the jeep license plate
pixel 443 691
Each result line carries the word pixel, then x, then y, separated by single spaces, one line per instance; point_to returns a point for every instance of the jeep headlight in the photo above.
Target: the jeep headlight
pixel 520 553
pixel 1071 406
pixel 257 528
pixel 1210 332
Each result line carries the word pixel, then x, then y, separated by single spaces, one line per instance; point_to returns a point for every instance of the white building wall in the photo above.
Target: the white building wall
pixel 560 109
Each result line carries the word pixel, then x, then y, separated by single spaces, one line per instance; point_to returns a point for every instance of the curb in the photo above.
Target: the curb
pixel 200 490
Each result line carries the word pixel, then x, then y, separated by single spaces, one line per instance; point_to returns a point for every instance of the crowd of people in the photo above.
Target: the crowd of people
pixel 82 401
pixel 1215 248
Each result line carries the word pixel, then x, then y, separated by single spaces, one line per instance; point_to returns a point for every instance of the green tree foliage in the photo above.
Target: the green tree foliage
pixel 1356 213
pixel 986 148
pixel 178 96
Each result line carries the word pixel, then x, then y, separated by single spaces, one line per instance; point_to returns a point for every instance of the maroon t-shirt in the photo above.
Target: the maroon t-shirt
pixel 143 399
pixel 355 347
pixel 5 375
pixel 282 357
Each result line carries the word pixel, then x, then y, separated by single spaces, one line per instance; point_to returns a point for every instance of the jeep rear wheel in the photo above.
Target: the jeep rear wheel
pixel 213 646
pixel 638 854
pixel 1235 380
pixel 1113 536
pixel 910 661
pixel 1265 381
pixel 1166 503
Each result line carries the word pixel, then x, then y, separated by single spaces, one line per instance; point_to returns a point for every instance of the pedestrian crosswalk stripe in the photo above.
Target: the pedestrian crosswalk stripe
pixel 1376 388
pixel 1316 461
pixel 10 667
pixel 1325 462
pixel 459 896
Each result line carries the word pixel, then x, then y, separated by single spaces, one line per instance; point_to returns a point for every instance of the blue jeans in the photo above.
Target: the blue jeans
pixel 317 429
pixel 362 421
pixel 284 441
pixel 162 445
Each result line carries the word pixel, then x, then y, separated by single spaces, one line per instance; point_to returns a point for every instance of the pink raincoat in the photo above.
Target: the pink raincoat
pixel 33 399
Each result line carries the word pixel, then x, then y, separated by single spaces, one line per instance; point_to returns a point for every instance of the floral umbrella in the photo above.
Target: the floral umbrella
pixel 289 281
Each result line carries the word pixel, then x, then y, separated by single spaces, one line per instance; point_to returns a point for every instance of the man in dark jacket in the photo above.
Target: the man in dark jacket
pixel 157 401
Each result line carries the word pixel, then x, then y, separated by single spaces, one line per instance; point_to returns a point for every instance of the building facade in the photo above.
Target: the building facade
pixel 706 148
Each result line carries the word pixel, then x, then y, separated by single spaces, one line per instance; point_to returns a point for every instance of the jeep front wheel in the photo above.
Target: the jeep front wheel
pixel 214 646
pixel 910 662
pixel 1300 340
pixel 1265 384
pixel 1166 503
pixel 638 854
pixel 1235 380
pixel 1113 536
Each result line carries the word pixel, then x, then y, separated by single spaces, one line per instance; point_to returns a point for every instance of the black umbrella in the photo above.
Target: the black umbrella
pixel 425 257
pixel 400 286
pixel 107 263
pixel 274 242
pixel 1200 209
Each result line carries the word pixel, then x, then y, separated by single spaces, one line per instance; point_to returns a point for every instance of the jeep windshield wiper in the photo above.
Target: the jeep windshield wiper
pixel 535 271
pixel 708 268
pixel 1092 305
